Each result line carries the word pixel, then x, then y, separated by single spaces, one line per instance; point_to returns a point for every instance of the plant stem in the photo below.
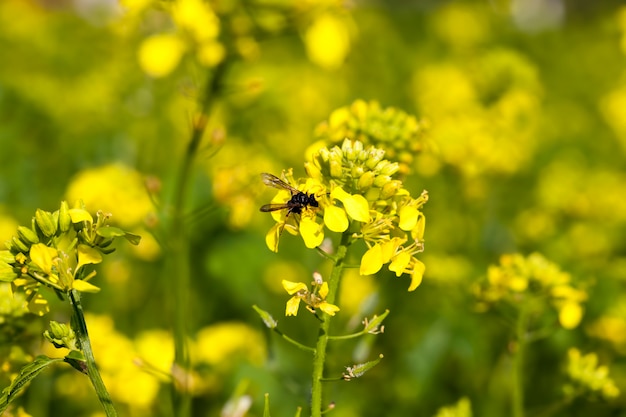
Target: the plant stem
pixel 322 338
pixel 179 276
pixel 80 328
pixel 518 363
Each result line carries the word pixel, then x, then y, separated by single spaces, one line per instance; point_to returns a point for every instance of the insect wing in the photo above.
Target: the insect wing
pixel 274 207
pixel 273 181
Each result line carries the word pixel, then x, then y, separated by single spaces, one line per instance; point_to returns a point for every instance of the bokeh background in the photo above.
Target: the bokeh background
pixel 523 103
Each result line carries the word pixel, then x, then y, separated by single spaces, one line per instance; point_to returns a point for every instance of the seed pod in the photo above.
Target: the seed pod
pixel 46 222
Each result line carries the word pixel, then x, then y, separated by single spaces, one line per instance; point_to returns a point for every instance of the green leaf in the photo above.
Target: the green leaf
pixel 27 374
pixel 77 361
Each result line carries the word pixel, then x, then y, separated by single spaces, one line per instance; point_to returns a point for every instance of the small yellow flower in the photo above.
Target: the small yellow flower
pixel 316 298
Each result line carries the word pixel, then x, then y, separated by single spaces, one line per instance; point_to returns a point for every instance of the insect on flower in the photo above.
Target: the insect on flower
pixel 299 200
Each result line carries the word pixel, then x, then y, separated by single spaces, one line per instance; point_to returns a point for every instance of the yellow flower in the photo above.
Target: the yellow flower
pixel 327 41
pixel 160 54
pixel 316 298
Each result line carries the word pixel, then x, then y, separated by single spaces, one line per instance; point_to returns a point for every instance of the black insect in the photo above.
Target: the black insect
pixel 299 200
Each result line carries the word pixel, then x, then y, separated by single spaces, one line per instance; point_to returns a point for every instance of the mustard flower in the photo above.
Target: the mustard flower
pixel 55 250
pixel 519 280
pixel 586 376
pixel 398 133
pixel 355 191
pixel 316 298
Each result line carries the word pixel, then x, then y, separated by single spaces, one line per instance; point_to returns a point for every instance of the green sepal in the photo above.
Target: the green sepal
pixel 77 361
pixel 110 232
pixel 27 374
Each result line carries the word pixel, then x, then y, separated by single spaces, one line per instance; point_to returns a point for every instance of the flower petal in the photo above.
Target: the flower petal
pixel 324 290
pixel 312 233
pixel 42 255
pixel 358 208
pixel 328 308
pixel 293 287
pixel 273 237
pixel 84 286
pixel 292 306
pixel 400 263
pixel 408 217
pixel 87 255
pixel 372 260
pixel 417 275
pixel 335 219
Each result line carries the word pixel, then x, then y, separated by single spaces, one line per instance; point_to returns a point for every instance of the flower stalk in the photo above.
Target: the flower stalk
pixel 323 335
pixel 82 339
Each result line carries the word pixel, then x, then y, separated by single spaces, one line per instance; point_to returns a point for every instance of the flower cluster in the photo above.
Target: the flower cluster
pixel 587 376
pixel 519 280
pixel 398 133
pixel 356 192
pixel 54 251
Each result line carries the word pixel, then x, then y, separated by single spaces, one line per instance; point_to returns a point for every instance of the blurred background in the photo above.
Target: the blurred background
pixel 523 105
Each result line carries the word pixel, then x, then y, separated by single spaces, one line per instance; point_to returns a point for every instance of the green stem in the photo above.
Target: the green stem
pixel 80 328
pixel 322 338
pixel 521 329
pixel 179 276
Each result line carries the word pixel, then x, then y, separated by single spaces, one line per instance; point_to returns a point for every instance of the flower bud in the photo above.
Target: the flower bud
pixel 46 222
pixel 18 245
pixel 64 217
pixel 335 169
pixel 27 235
pixel 365 181
pixel 381 180
pixel 390 189
pixel 390 169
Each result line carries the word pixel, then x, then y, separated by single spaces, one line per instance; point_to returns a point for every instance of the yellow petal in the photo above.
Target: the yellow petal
pixel 390 247
pixel 570 315
pixel 372 260
pixel 324 290
pixel 357 207
pixel 400 262
pixel 84 286
pixel 293 287
pixel 417 275
pixel 160 54
pixel 273 237
pixel 292 306
pixel 88 255
pixel 42 256
pixel 408 217
pixel 335 219
pixel 80 215
pixel 328 308
pixel 312 233
pixel 211 53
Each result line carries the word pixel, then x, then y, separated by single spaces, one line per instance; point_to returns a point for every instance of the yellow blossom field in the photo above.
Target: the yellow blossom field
pixel 272 208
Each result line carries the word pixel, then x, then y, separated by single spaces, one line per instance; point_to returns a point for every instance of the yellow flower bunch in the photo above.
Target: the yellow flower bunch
pixel 587 377
pixel 398 133
pixel 54 251
pixel 353 190
pixel 523 281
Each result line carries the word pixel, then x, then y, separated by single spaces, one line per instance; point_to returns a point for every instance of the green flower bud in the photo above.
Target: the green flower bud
pixel 375 156
pixel 381 180
pixel 60 335
pixel 390 189
pixel 64 217
pixel 46 222
pixel 366 180
pixel 18 245
pixel 390 169
pixel 335 169
pixel 27 235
